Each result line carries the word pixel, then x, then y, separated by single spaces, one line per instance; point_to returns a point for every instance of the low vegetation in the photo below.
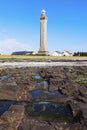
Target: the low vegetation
pixel 80 54
pixel 42 58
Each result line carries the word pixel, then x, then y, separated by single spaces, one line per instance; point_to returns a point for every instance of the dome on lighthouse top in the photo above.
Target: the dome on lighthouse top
pixel 43 12
pixel 43 15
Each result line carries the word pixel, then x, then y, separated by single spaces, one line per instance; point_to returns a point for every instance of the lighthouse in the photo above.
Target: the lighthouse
pixel 43 34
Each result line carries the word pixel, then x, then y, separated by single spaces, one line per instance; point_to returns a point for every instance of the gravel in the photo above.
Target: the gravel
pixel 41 64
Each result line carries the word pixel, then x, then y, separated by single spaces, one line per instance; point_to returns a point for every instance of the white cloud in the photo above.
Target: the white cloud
pixel 10 45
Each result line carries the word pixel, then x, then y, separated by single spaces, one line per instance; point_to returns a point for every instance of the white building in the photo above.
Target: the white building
pixel 66 53
pixel 57 53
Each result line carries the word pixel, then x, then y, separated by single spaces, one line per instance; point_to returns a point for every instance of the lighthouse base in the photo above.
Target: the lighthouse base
pixel 43 53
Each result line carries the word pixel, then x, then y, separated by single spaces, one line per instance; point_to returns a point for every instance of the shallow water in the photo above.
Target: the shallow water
pixel 51 108
pixel 38 93
pixel 4 106
pixel 41 83
pixel 49 111
pixel 46 107
pixel 37 77
pixel 55 93
pixel 6 77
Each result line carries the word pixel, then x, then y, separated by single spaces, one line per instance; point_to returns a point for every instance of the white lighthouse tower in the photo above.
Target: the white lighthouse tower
pixel 43 34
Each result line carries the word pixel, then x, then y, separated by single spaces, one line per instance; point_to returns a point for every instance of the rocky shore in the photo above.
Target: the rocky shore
pixel 10 64
pixel 38 87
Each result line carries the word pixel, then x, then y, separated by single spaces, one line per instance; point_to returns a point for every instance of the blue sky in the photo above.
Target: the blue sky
pixel 20 25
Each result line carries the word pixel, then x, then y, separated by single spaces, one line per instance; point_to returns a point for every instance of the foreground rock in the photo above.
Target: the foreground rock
pixel 11 119
pixel 29 123
pixel 71 81
pixel 9 90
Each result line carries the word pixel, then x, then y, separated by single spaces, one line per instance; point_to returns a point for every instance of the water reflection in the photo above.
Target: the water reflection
pixel 49 111
pixel 43 84
pixel 39 93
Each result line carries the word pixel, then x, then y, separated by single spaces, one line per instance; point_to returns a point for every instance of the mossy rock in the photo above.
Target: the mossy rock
pixel 82 79
pixel 3 72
